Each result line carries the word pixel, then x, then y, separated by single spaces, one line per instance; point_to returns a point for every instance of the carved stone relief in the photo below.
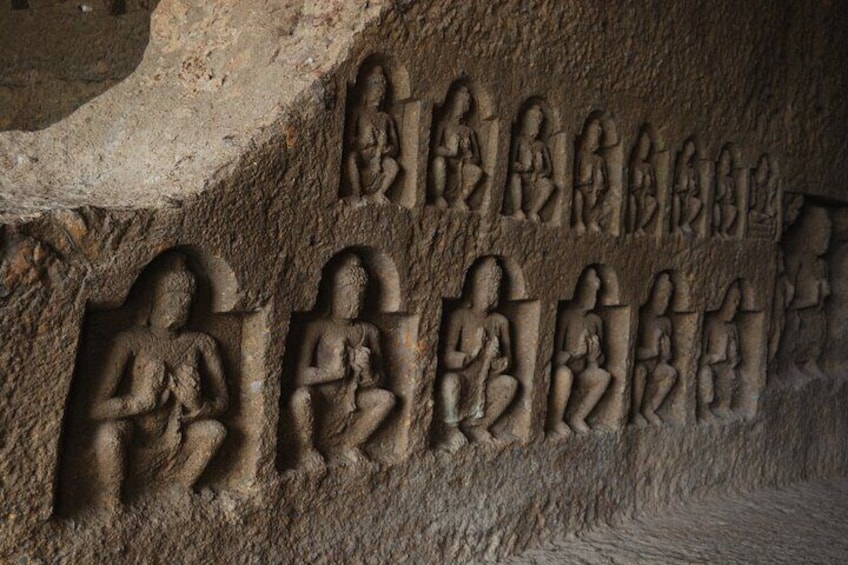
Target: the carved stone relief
pixel 648 178
pixel 804 246
pixel 663 359
pixel 153 394
pixel 589 363
pixel 729 186
pixel 733 354
pixel 459 157
pixel 380 136
pixel 532 192
pixel 349 373
pixel 690 179
pixel 765 199
pixel 486 361
pixel 596 202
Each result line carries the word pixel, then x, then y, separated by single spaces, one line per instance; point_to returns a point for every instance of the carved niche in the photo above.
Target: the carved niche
pixel 765 200
pixel 728 197
pixel 664 358
pixel 598 164
pixel 381 141
pixel 731 366
pixel 535 177
pixel 155 399
pixel 349 371
pixel 804 248
pixel 463 149
pixel 647 188
pixel 589 364
pixel 486 359
pixel 690 191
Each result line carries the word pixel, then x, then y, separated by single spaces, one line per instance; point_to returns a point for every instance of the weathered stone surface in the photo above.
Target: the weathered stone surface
pixel 261 198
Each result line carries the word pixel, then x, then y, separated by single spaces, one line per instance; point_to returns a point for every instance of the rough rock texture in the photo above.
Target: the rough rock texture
pixel 801 524
pixel 230 145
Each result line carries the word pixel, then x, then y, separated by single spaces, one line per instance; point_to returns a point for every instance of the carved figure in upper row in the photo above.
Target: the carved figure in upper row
pixel 654 375
pixel 338 403
pixel 373 144
pixel 686 204
pixel 579 378
pixel 765 191
pixel 591 183
pixel 642 194
pixel 721 355
pixel 531 170
pixel 726 197
pixel 457 164
pixel 477 356
pixel 161 424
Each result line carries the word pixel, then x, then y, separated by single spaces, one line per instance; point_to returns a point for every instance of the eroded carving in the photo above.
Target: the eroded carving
pixel 642 202
pixel 806 245
pixel 765 197
pixel 686 202
pixel 373 144
pixel 591 179
pixel 163 389
pixel 726 194
pixel 531 184
pixel 721 356
pixel 579 377
pixel 477 357
pixel 457 166
pixel 654 374
pixel 339 404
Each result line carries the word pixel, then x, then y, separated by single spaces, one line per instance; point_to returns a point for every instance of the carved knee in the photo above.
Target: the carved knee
pixel 451 389
pixel 301 401
pixel 505 387
pixel 111 437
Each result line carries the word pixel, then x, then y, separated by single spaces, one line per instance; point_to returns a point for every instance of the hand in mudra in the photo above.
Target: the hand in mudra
pixel 500 364
pixel 360 361
pixel 186 379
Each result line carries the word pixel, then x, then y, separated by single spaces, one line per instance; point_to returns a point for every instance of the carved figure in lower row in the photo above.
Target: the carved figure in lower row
pixel 686 201
pixel 725 206
pixel 477 356
pixel 592 180
pixel 372 165
pixel 654 375
pixel 338 403
pixel 457 165
pixel 530 184
pixel 642 195
pixel 164 426
pixel 718 372
pixel 578 360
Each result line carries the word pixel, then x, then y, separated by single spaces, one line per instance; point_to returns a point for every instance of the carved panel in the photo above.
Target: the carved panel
pixel 534 181
pixel 690 191
pixel 156 397
pixel 646 204
pixel 765 199
pixel 463 149
pixel 350 368
pixel 590 362
pixel 598 184
pixel 486 359
pixel 381 136
pixel 729 194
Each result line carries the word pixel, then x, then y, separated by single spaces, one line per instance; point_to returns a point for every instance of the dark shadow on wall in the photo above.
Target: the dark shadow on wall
pixel 92 46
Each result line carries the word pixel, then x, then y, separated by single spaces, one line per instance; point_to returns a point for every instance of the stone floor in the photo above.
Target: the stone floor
pixel 802 524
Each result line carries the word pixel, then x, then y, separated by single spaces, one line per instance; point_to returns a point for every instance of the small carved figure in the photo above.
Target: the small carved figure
pixel 686 202
pixel 372 165
pixel 338 404
pixel 164 425
pixel 592 183
pixel 530 184
pixel 807 266
pixel 718 372
pixel 784 291
pixel 457 165
pixel 725 210
pixel 578 360
pixel 477 354
pixel 654 375
pixel 642 197
pixel 764 193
